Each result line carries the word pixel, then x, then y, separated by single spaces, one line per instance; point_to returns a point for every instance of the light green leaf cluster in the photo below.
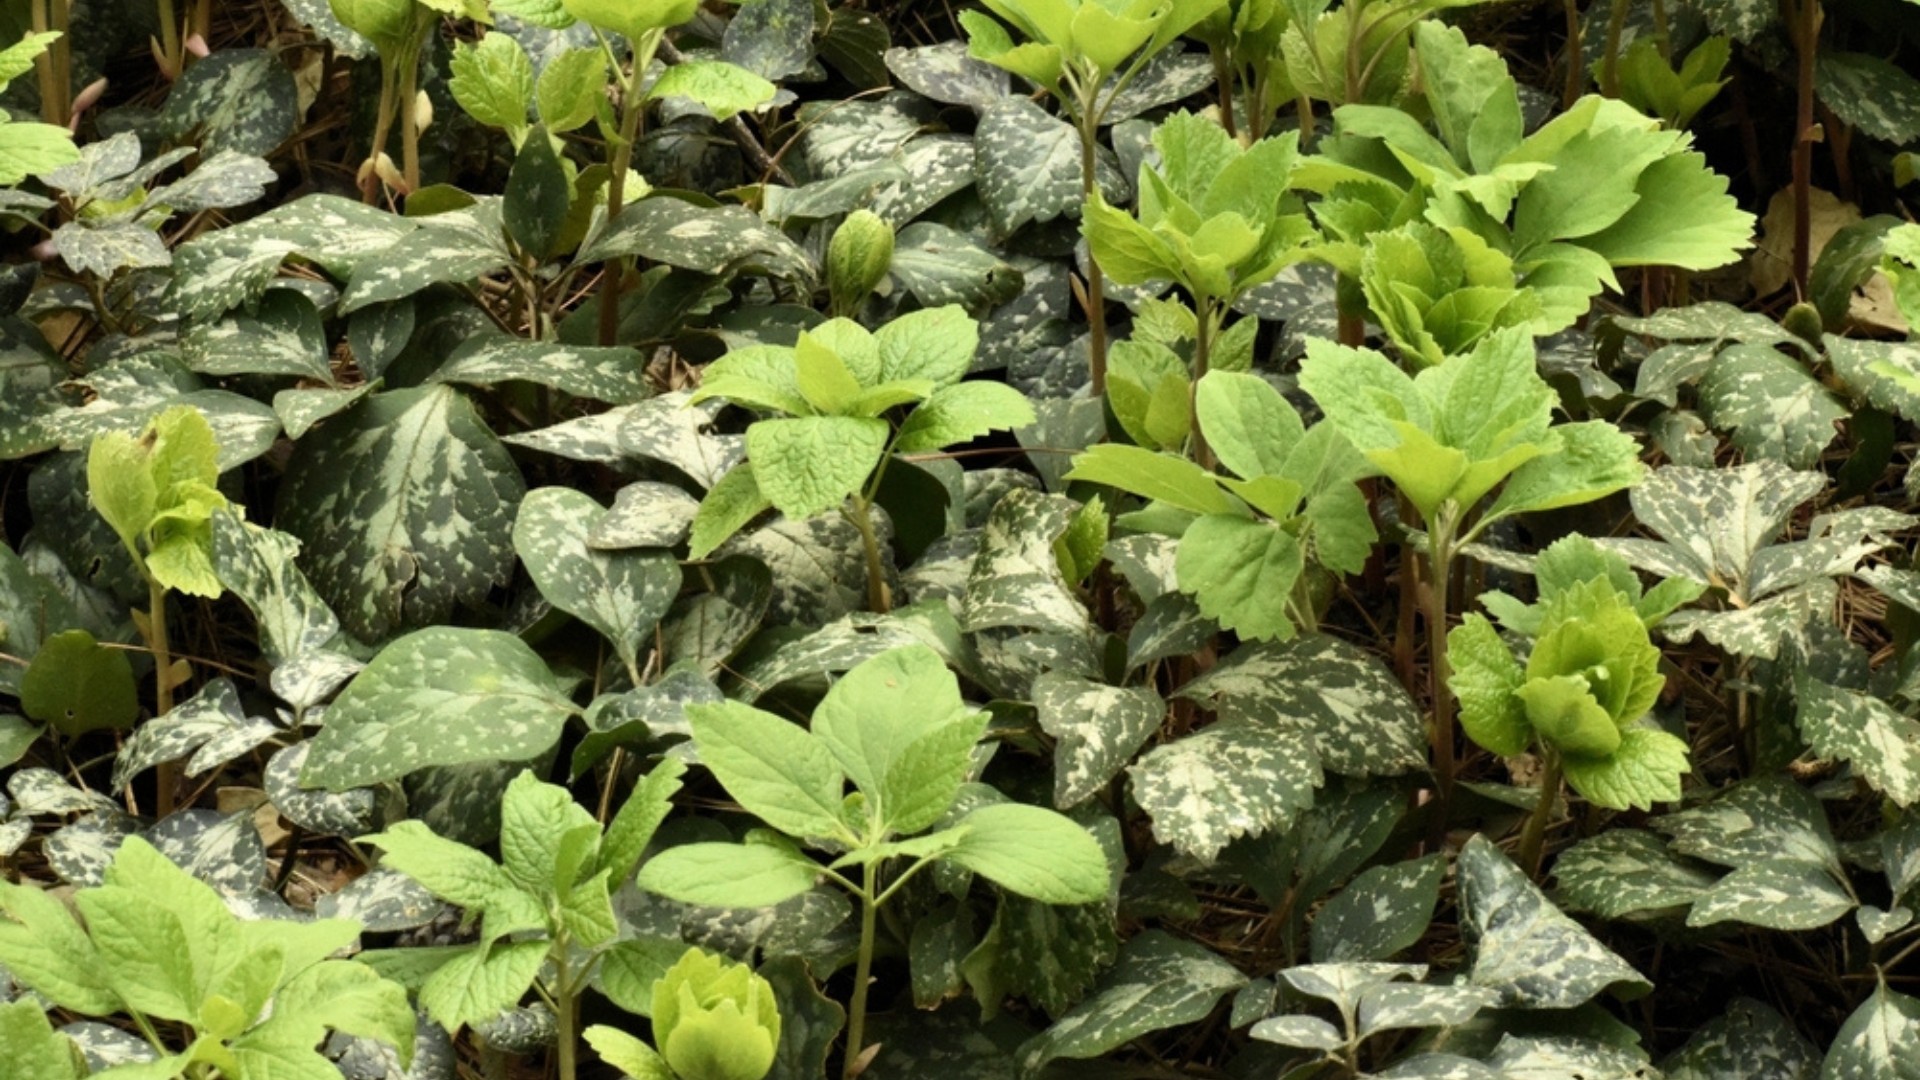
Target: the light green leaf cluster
pixel 1451 434
pixel 1648 81
pixel 1591 677
pixel 1074 45
pixel 1574 560
pixel 255 997
pixel 897 728
pixel 1248 535
pixel 838 386
pixel 555 878
pixel 158 493
pixel 1215 217
pixel 27 148
pixel 715 1020
pixel 1598 187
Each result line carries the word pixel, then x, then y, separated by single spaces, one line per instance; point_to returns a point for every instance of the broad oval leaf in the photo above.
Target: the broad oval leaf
pixel 439 696
pixel 622 594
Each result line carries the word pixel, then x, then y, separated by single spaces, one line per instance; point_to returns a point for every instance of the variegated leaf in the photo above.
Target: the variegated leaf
pixel 819 570
pixel 282 336
pixel 1749 1041
pixel 1869 93
pixel 382 901
pixel 1016 579
pixel 1345 984
pixel 1303 1032
pixel 211 726
pixel 1026 163
pixel 1361 719
pixel 936 166
pixel 1774 408
pixel 707 628
pixel 1171 626
pixel 1160 982
pixel 1758 629
pixel 43 791
pixel 622 594
pixel 643 714
pixel 403 507
pixel 106 1046
pixel 353 812
pixel 946 1044
pixel 1439 1067
pixel 457 246
pixel 844 643
pixel 1626 872
pixel 257 565
pixel 1780 894
pixel 1097 727
pixel 667 429
pixel 440 696
pixel 841 137
pixel 1880 1041
pixel 371 1059
pixel 1558 1057
pixel 224 268
pixel 308 678
pixel 300 409
pixel 594 438
pixel 1168 76
pixel 104 250
pixel 129 393
pixel 81 852
pixel 613 375
pixel 709 239
pixel 940 266
pixel 1418 1005
pixel 1526 950
pixel 1383 910
pixel 223 850
pixel 524 1029
pixel 1881 744
pixel 945 73
pixel 1757 820
pixel 1716 519
pixel 1146 561
pixel 1239 777
pixel 240 100
pixel 645 514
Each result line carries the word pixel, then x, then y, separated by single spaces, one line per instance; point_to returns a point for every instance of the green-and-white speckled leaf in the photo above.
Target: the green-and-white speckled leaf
pixel 440 696
pixel 844 643
pixel 1624 872
pixel 317 15
pixel 1418 1005
pixel 104 250
pixel 1172 626
pixel 1714 520
pixel 1098 729
pixel 712 240
pixel 1754 821
pixel 941 266
pixel 1361 719
pixel 1383 910
pixel 945 73
pixel 125 401
pixel 616 375
pixel 224 268
pixel 43 791
pixel 211 726
pixel 257 565
pixel 283 336
pixel 819 573
pixel 1780 894
pixel 1749 1041
pixel 382 901
pixel 1239 777
pixel 299 409
pixel 1160 982
pixel 457 246
pixel 1026 163
pixel 1561 1056
pixel 1526 950
pixel 707 628
pixel 667 429
pixel 594 438
pixel 308 678
pixel 1051 954
pixel 223 850
pixel 243 100
pixel 936 166
pixel 1774 408
pixel 645 514
pixel 1880 1041
pixel 622 594
pixel 948 1044
pixel 1016 579
pixel 106 1046
pixel 81 852
pixel 403 507
pixel 1758 629
pixel 353 812
pixel 1168 77
pixel 1883 745
pixel 1439 1067
pixel 1869 93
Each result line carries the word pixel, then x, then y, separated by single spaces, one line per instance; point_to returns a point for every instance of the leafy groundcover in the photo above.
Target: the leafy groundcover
pixel 1241 539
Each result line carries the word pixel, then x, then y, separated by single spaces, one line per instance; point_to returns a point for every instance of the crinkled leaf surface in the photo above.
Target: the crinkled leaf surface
pixel 1526 950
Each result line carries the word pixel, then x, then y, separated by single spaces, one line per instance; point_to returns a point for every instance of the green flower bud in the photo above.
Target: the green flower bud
pixel 631 18
pixel 858 259
pixel 715 1020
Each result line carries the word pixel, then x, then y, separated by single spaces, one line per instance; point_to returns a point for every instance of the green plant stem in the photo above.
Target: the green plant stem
pixel 1440 536
pixel 632 108
pixel 50 68
pixel 1533 837
pixel 382 128
pixel 565 1021
pixel 167 777
pixel 878 597
pixel 170 47
pixel 1205 322
pixel 1223 75
pixel 1610 63
pixel 410 103
pixel 1805 31
pixel 1571 93
pixel 862 974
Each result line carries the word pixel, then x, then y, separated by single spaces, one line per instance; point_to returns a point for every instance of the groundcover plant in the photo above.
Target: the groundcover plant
pixel 1021 539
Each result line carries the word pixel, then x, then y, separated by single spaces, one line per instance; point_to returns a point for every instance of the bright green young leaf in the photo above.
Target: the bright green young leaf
pixel 570 89
pixel 478 983
pixel 772 767
pixel 898 729
pixel 1242 572
pixel 728 875
pixel 1161 477
pixel 961 413
pixel 728 507
pixel 75 685
pixel 632 829
pixel 1249 426
pixel 809 465
pixel 721 88
pixel 48 952
pixel 627 1053
pixel 493 81
pixel 1034 852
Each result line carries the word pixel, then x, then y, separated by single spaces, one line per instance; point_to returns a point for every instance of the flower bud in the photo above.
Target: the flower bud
pixel 858 259
pixel 715 1020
